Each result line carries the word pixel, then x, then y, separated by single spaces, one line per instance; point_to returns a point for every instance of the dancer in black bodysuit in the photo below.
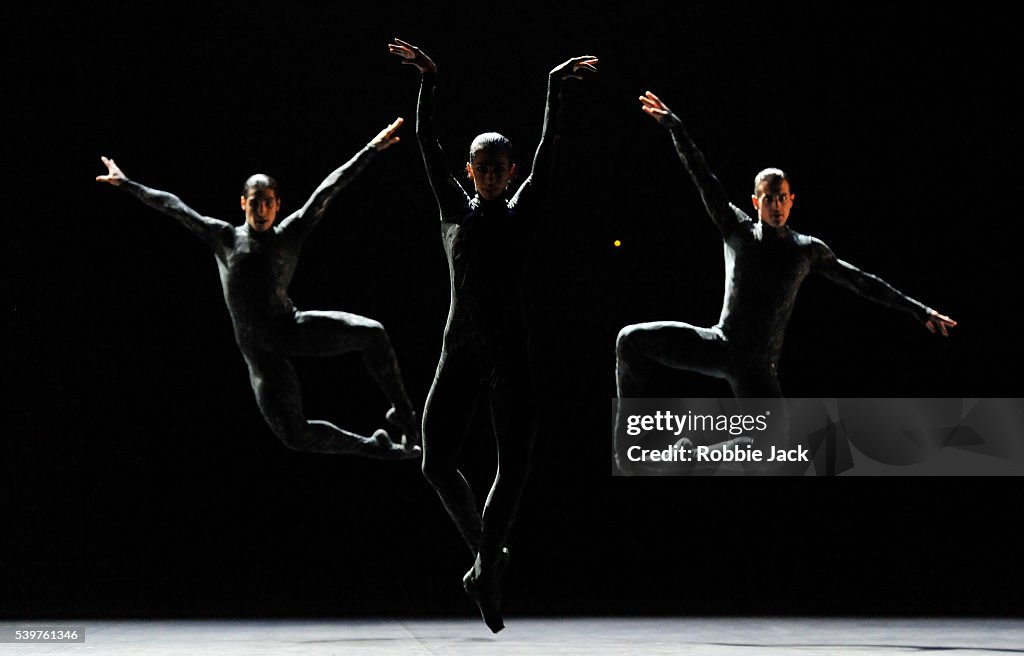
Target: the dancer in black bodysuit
pixel 485 341
pixel 765 263
pixel 257 261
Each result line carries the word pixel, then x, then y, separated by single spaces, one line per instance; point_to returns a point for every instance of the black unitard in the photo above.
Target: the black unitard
pixel 764 267
pixel 485 341
pixel 255 271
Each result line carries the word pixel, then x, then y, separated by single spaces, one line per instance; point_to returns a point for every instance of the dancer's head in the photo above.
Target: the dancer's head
pixel 490 165
pixel 772 197
pixel 260 202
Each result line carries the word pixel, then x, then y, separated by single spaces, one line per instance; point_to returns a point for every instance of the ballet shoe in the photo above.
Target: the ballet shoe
pixel 484 589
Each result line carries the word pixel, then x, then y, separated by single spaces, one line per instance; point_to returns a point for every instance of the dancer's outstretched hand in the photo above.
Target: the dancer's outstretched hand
pixel 656 109
pixel 572 67
pixel 114 174
pixel 386 137
pixel 939 322
pixel 410 54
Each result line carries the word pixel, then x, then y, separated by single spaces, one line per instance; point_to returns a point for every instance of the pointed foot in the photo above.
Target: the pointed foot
pixel 486 600
pixel 491 614
pixel 382 447
pixel 483 585
pixel 408 423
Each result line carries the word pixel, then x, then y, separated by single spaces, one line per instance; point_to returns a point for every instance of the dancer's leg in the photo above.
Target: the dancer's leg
pixel 514 417
pixel 755 380
pixel 446 419
pixel 641 347
pixel 280 400
pixel 513 414
pixel 674 344
pixel 321 333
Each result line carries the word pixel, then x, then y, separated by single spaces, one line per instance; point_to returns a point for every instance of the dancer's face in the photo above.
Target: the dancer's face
pixel 260 207
pixel 773 202
pixel 491 172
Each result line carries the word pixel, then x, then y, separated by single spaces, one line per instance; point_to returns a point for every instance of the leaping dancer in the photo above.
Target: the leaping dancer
pixel 765 263
pixel 484 352
pixel 257 261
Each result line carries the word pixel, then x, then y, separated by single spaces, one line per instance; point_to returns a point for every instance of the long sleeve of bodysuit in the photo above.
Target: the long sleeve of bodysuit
pixel 865 284
pixel 535 185
pixel 210 230
pixel 725 215
pixel 302 222
pixel 451 197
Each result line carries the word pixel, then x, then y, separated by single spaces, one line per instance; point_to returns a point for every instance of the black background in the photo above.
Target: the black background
pixel 141 480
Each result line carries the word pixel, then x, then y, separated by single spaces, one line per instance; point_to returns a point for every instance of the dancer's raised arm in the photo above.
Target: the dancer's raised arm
pixel 308 216
pixel 540 174
pixel 451 197
pixel 208 229
pixel 722 212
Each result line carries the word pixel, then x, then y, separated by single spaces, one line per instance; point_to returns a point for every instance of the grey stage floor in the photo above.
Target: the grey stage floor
pixel 591 636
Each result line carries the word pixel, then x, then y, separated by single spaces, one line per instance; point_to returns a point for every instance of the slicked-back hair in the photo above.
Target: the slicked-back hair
pixel 770 175
pixel 259 181
pixel 492 142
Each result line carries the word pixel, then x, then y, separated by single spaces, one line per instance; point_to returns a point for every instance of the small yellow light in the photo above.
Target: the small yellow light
pixel 617 243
